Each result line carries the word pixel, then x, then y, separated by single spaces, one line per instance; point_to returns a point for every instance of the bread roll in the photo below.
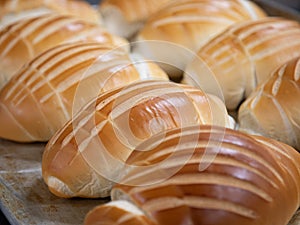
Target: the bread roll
pixel 125 18
pixel 23 40
pixel 212 175
pixel 86 156
pixel 273 109
pixel 13 10
pixel 117 213
pixel 181 28
pixel 50 89
pixel 243 57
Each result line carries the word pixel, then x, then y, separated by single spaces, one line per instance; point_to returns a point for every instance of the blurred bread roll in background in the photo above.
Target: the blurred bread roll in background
pixel 188 24
pixel 25 39
pixel 242 57
pixel 86 156
pixel 212 175
pixel 125 18
pixel 55 85
pixel 273 108
pixel 14 10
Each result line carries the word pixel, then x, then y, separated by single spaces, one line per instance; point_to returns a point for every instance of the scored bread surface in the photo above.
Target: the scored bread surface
pixel 87 155
pixel 53 87
pixel 273 108
pixel 117 213
pixel 212 175
pixel 243 57
pixel 14 10
pixel 25 39
pixel 174 34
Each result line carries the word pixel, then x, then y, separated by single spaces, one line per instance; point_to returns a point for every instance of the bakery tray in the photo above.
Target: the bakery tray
pixel 25 198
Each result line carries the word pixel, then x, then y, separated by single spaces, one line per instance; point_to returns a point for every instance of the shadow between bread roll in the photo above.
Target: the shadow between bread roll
pixel 55 85
pixel 243 56
pixel 87 156
pixel 273 108
pixel 189 24
pixel 12 11
pixel 249 180
pixel 125 18
pixel 21 41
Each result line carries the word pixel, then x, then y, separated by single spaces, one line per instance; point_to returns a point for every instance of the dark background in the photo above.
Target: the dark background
pixel 3 220
pixel 292 3
pixel 96 1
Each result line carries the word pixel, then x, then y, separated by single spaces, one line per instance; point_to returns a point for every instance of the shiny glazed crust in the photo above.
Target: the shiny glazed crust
pixel 12 10
pixel 53 87
pixel 189 24
pixel 87 155
pixel 117 213
pixel 244 56
pixel 212 175
pixel 23 40
pixel 195 21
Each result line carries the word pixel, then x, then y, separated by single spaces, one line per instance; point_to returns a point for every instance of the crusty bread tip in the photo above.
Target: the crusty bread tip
pixel 273 108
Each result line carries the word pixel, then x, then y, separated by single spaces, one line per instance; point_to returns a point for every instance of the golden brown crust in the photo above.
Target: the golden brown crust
pixel 272 109
pixel 88 153
pixel 23 40
pixel 189 25
pixel 244 56
pixel 46 92
pixel 195 21
pixel 77 8
pixel 116 213
pixel 213 175
pixel 134 10
pixel 125 18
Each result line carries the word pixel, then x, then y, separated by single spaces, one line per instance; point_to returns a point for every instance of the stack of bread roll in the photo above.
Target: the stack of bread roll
pixel 115 125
